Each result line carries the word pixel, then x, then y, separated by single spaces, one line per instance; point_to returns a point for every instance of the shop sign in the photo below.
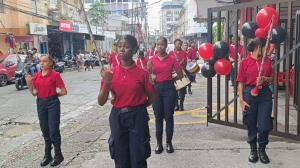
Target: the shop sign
pixel 83 29
pixel 110 34
pixel 65 26
pixel 100 30
pixel 38 29
pixel 94 29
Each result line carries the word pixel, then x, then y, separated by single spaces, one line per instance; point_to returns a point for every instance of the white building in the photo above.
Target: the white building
pixel 169 18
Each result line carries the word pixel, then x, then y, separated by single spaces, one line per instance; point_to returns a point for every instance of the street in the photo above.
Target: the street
pixel 85 130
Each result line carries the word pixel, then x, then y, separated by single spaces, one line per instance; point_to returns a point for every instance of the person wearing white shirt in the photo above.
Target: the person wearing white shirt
pixel 37 56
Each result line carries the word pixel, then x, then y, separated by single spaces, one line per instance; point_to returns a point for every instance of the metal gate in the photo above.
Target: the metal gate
pixel 223 13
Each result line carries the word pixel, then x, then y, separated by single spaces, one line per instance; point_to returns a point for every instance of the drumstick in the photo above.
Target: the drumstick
pixel 255 92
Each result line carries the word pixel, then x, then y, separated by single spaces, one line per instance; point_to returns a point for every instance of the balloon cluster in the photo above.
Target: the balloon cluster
pixel 260 29
pixel 215 55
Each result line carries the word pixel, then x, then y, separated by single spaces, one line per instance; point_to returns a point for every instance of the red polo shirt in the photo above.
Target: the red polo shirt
pixel 249 70
pixel 47 85
pixel 240 51
pixel 194 52
pixel 113 59
pixel 189 55
pixel 152 53
pixel 181 56
pixel 130 86
pixel 105 54
pixel 163 69
pixel 144 61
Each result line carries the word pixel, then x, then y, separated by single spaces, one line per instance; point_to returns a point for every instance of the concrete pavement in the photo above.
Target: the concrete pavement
pixel 85 130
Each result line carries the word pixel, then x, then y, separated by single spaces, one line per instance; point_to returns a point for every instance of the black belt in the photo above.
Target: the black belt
pixel 259 87
pixel 47 98
pixel 164 82
pixel 130 109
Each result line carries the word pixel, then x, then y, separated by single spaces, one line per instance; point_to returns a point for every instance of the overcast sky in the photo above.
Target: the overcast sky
pixel 153 15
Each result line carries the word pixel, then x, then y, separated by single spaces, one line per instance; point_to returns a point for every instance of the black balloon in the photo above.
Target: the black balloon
pixel 221 49
pixel 278 35
pixel 208 71
pixel 249 28
pixel 212 60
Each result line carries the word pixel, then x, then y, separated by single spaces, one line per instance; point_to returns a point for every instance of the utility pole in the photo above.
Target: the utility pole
pixel 146 32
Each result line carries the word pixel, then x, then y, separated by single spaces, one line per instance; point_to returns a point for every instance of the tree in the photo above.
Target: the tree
pixel 215 31
pixel 97 13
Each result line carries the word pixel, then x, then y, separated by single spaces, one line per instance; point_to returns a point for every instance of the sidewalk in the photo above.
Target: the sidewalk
pixel 197 145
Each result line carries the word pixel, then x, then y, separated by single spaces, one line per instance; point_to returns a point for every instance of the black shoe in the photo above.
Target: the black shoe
pixel 159 148
pixel 176 106
pixel 169 147
pixel 253 157
pixel 263 155
pixel 58 158
pixel 181 105
pixel 190 91
pixel 47 158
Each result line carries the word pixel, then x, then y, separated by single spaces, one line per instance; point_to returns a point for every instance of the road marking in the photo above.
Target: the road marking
pixel 195 114
pixel 203 85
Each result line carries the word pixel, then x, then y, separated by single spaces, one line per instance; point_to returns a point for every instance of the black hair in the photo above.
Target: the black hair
pixel 132 40
pixel 230 36
pixel 78 52
pixel 253 44
pixel 238 38
pixel 141 53
pixel 177 40
pixel 186 43
pixel 163 39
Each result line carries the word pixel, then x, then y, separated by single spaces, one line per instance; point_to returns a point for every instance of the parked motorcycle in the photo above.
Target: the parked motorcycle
pixel 58 66
pixel 68 59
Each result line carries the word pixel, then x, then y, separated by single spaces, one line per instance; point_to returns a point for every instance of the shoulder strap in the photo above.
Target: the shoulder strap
pixel 176 56
pixel 117 59
pixel 141 63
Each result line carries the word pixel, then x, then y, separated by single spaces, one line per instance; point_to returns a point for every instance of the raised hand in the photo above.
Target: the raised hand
pixel 106 74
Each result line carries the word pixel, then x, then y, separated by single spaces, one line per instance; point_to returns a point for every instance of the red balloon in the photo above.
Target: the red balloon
pixel 206 51
pixel 261 33
pixel 222 67
pixel 264 17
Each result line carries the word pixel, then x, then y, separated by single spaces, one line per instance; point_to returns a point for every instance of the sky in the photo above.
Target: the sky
pixel 153 14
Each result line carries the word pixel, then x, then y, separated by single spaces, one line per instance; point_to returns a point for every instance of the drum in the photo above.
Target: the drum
pixel 193 68
pixel 181 83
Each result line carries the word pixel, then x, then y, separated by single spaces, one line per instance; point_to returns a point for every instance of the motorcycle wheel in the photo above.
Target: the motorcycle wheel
pixel 3 80
pixel 19 85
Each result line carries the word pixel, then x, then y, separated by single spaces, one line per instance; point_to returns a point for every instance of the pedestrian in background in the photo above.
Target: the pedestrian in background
pixel 190 58
pixel 21 51
pixel 114 59
pixel 142 61
pixel 37 56
pixel 152 52
pixel 87 62
pixel 79 60
pixel 257 110
pixel 129 143
pixel 193 51
pixel 48 106
pixel 162 66
pixel 181 56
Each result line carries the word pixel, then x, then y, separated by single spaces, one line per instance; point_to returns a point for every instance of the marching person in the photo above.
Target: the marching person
pixel 256 110
pixel 129 142
pixel 190 58
pixel 31 62
pixel 180 56
pixel 114 59
pixel 142 61
pixel 193 51
pixel 162 66
pixel 152 52
pixel 48 106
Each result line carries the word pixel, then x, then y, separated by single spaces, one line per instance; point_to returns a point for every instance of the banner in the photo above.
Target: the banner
pixel 65 26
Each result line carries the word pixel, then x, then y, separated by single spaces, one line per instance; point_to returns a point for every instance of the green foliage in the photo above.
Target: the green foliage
pixel 97 13
pixel 215 32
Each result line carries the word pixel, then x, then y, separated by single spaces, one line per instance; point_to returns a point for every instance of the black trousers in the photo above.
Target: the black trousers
pixel 258 117
pixel 129 143
pixel 49 116
pixel 181 94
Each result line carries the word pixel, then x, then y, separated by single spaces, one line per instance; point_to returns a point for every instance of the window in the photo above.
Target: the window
pixel 36 6
pixel 89 1
pixel 168 19
pixel 176 12
pixel 176 19
pixel 107 1
pixel 101 1
pixel 13 59
pixel 1 6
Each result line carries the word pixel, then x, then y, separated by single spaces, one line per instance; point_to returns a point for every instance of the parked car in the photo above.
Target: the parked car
pixel 8 64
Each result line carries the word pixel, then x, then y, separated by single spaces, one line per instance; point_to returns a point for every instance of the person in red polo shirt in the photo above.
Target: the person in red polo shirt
pixel 181 57
pixel 232 57
pixel 114 59
pixel 152 52
pixel 142 61
pixel 48 106
pixel 129 142
pixel 257 110
pixel 162 66
pixel 190 58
